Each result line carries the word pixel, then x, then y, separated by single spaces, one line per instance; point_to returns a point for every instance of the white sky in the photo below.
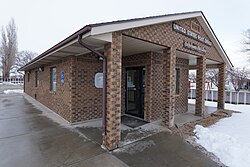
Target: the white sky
pixel 42 24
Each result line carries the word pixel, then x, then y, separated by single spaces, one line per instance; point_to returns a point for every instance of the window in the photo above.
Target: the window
pixel 177 81
pixel 36 78
pixel 195 27
pixel 28 76
pixel 53 79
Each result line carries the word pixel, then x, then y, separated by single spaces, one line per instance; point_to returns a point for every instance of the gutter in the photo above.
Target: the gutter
pixel 72 37
pixel 104 89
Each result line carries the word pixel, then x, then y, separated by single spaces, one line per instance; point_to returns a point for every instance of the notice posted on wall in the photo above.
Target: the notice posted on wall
pixel 99 80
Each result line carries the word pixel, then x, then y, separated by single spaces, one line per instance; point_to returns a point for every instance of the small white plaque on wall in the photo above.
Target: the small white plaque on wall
pixel 99 80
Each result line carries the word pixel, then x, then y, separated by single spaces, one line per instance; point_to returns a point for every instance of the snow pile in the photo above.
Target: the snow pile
pixel 228 139
pixel 228 149
pixel 207 103
pixel 9 83
pixel 6 83
pixel 9 91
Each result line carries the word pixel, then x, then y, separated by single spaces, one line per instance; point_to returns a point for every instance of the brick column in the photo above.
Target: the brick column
pixel 113 51
pixel 168 109
pixel 200 86
pixel 221 86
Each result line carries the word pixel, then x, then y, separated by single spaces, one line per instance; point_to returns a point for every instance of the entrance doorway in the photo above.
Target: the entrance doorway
pixel 135 84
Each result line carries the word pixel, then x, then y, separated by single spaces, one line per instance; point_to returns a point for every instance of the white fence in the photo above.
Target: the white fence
pixel 232 97
pixel 12 80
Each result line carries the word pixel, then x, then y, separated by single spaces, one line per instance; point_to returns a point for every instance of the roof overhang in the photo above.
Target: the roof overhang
pixel 96 35
pixel 192 60
pixel 133 46
pixel 66 42
pixel 133 23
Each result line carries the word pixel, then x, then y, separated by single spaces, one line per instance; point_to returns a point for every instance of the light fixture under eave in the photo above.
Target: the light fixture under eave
pixel 41 68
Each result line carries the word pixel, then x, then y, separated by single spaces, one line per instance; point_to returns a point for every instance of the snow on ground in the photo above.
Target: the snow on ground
pixel 229 138
pixel 6 83
pixel 9 91
pixel 9 83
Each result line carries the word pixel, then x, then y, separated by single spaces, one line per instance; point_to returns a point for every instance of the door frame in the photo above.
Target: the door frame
pixel 140 100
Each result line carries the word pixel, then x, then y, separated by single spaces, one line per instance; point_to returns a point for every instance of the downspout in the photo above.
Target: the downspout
pixel 104 89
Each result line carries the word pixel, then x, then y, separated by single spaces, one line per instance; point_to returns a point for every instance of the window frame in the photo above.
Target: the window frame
pixel 53 79
pixel 28 76
pixel 36 78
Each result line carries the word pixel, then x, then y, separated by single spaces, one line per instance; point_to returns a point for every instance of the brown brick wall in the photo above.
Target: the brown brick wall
pixel 153 63
pixel 156 86
pixel 86 99
pixel 59 101
pixel 163 34
pixel 77 99
pixel 181 100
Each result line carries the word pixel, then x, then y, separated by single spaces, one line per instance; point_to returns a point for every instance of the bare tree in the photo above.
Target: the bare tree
pixel 8 47
pixel 22 58
pixel 192 76
pixel 212 76
pixel 246 42
pixel 238 77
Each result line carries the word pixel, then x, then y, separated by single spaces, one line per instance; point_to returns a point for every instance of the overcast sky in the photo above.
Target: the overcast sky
pixel 42 24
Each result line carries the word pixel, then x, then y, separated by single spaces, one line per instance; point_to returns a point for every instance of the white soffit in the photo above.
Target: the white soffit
pixel 211 62
pixel 50 54
pixel 185 55
pixel 107 37
pixel 131 46
pixel 192 58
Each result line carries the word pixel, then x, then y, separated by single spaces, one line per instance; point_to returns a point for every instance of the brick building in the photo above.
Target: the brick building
pixel 146 62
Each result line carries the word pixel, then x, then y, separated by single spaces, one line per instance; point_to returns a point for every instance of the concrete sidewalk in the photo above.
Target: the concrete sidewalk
pixel 30 139
pixel 163 149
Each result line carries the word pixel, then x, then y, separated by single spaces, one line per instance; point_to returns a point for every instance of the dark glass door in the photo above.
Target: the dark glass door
pixel 135 83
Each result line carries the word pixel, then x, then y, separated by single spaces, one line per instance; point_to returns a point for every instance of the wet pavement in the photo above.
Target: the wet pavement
pixel 28 138
pixel 150 145
pixel 183 118
pixel 162 149
pixel 93 131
